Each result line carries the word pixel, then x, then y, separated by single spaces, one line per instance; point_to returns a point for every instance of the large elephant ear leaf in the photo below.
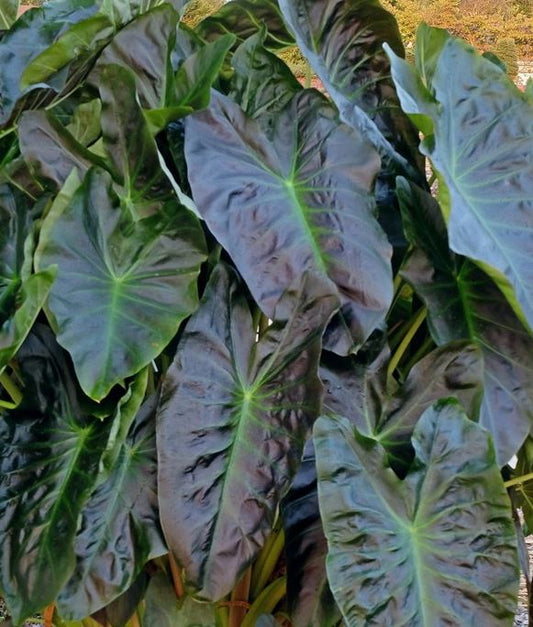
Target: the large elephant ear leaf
pixel 436 547
pixel 49 460
pixel 221 478
pixel 481 144
pixel 303 202
pixel 464 302
pixel 117 536
pixel 244 18
pixel 122 287
pixel 343 42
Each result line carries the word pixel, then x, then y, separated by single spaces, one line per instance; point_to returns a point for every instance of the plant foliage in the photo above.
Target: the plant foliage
pixel 265 352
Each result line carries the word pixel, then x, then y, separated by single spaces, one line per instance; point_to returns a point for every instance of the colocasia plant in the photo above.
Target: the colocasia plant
pixel 265 351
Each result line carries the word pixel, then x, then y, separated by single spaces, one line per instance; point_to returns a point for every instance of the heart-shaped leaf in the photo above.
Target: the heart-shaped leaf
pixel 8 13
pixel 297 201
pixel 117 536
pixel 221 477
pixel 463 302
pixel 49 457
pixel 436 547
pixel 481 142
pixel 122 287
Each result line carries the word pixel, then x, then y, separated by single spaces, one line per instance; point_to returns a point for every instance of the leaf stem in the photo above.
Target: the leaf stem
pixel 176 576
pixel 395 360
pixel 518 480
pixel 266 602
pixel 239 599
pixel 267 561
pixel 11 388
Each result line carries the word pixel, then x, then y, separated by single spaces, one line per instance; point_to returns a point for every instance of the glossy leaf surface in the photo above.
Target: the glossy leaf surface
pixel 119 527
pixel 49 458
pixel 438 546
pixel 262 84
pixel 343 41
pixel 123 286
pixel 33 33
pixel 481 143
pixel 21 295
pixel 50 150
pixel 244 18
pixel 463 302
pixel 222 476
pixel 299 201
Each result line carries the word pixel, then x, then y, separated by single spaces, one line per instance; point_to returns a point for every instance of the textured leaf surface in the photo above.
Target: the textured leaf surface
pixel 122 288
pixel 221 477
pixel 481 144
pixel 119 527
pixel 262 84
pixel 437 547
pixel 49 454
pixel 343 41
pixel 244 18
pixel 463 302
pixel 297 202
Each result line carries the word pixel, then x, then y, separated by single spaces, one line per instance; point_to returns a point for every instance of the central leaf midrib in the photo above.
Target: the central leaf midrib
pixel 299 207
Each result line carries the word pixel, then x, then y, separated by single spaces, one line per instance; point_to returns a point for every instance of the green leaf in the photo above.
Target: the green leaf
pixel 124 11
pixel 50 150
pixel 117 536
pixel 221 476
pixel 32 34
pixel 164 610
pixel 262 84
pixel 122 287
pixel 481 146
pixel 21 295
pixel 8 13
pixel 298 201
pixel 463 302
pixel 198 72
pixel 244 18
pixel 32 296
pixel 85 123
pixel 86 38
pixel 130 145
pixel 436 547
pixel 49 456
pixel 343 41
